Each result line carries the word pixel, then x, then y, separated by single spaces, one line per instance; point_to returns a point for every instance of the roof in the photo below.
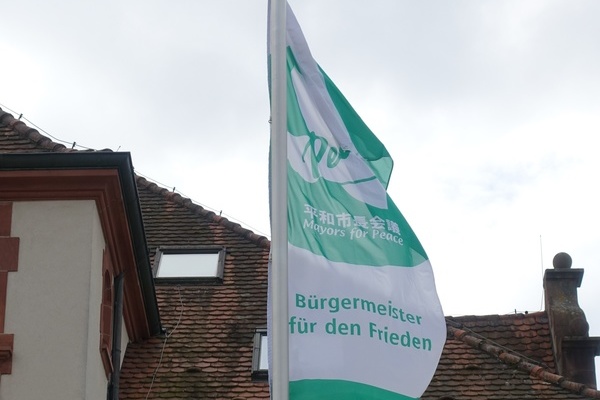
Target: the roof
pixel 501 357
pixel 206 350
pixel 210 328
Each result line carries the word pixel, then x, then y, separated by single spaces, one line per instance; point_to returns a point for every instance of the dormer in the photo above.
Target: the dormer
pixel 75 278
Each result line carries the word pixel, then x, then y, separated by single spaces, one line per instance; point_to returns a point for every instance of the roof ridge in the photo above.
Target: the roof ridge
pixel 186 202
pixel 469 318
pixel 29 133
pixel 520 362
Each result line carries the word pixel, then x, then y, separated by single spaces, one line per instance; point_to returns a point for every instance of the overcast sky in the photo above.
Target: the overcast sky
pixel 490 110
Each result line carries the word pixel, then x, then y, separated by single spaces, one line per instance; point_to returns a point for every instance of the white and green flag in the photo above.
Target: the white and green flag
pixel 364 317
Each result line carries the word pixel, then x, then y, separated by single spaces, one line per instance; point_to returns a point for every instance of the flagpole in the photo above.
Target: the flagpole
pixel 279 234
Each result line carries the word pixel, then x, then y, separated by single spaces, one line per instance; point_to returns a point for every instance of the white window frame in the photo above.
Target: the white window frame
pixel 260 347
pixel 166 250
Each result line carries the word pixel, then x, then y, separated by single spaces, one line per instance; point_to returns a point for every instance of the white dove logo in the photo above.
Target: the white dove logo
pixel 327 151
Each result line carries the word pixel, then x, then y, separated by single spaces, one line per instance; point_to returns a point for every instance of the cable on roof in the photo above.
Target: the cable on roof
pixel 167 336
pixel 209 208
pixel 74 144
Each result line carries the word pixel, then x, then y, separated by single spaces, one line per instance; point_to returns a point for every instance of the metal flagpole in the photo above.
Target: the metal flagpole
pixel 279 234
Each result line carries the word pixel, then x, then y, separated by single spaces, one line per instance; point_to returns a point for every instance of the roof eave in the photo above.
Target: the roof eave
pixel 121 162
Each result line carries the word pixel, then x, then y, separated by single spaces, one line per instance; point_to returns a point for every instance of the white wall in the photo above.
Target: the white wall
pixel 53 303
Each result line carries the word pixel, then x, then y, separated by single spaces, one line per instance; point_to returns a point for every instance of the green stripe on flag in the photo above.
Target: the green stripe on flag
pixel 374 244
pixel 367 144
pixel 324 389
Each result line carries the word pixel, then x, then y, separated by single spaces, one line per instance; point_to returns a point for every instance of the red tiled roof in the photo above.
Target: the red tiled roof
pixel 210 328
pixel 206 351
pixel 501 357
pixel 17 137
pixel 170 216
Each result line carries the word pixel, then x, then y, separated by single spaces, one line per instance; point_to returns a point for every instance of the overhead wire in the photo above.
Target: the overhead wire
pixel 75 144
pixel 21 117
pixel 167 336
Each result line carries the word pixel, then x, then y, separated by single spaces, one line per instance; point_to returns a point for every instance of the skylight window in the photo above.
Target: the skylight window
pixel 260 356
pixel 186 263
pixel 263 358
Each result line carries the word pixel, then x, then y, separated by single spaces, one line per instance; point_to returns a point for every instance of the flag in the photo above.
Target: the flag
pixel 364 318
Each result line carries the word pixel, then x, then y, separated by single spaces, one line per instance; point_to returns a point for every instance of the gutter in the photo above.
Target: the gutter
pixel 120 161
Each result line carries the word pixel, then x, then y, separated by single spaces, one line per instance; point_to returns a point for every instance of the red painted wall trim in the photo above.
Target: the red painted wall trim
pixel 106 314
pixel 9 262
pixel 9 253
pixel 5 217
pixel 6 349
pixel 3 287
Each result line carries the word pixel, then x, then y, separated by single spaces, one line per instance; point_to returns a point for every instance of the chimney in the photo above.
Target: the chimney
pixel 574 349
